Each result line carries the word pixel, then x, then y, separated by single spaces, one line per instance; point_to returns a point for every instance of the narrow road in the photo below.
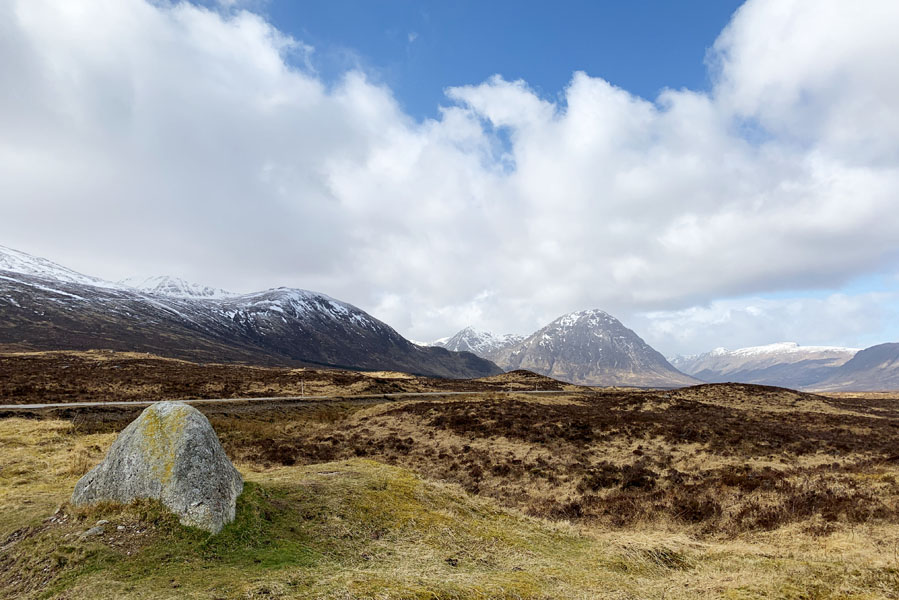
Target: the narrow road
pixel 309 399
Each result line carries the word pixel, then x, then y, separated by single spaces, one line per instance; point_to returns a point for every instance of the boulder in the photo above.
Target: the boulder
pixel 170 453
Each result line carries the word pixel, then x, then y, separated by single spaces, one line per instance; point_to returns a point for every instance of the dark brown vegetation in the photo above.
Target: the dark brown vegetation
pixel 53 377
pixel 717 459
pixel 625 458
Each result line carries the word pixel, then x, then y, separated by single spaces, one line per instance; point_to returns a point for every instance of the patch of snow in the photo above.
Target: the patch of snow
pixel 477 342
pixel 165 285
pixel 787 348
pixel 42 287
pixel 16 261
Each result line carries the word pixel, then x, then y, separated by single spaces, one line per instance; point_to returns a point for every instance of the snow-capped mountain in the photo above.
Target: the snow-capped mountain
pixel 591 347
pixel 44 306
pixel 482 343
pixel 785 364
pixel 166 285
pixel 15 261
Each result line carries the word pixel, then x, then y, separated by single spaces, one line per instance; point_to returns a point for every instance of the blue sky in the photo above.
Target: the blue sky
pixel 494 164
pixel 419 48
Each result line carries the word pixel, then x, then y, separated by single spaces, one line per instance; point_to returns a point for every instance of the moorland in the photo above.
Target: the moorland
pixel 711 491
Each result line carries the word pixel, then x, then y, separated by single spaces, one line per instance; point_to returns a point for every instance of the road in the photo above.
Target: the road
pixel 309 399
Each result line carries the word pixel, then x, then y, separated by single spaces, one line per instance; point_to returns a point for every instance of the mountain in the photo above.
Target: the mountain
pixel 165 285
pixel 482 343
pixel 15 261
pixel 44 306
pixel 872 369
pixel 591 347
pixel 785 364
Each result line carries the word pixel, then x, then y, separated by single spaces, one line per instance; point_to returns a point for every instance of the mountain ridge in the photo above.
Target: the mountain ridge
pixel 784 364
pixel 167 285
pixel 482 343
pixel 280 326
pixel 875 368
pixel 588 347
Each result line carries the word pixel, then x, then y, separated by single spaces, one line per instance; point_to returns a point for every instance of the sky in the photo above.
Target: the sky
pixel 711 173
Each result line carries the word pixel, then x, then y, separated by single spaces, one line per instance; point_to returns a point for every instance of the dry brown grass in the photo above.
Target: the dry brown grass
pixel 356 529
pixel 40 461
pixel 708 492
pixel 713 460
pixel 98 376
pixel 721 467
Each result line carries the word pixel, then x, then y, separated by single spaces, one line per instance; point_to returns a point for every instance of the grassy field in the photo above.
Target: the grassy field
pixel 722 491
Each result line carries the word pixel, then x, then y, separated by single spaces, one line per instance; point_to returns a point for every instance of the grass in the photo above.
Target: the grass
pixel 358 528
pixel 40 461
pixel 714 461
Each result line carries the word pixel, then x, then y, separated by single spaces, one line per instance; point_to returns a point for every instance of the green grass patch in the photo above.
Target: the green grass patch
pixel 362 529
pixel 358 526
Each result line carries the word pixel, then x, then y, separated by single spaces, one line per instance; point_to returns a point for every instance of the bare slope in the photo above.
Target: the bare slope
pixel 872 369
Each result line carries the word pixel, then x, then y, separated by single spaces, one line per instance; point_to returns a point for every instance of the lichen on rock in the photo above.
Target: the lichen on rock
pixel 170 453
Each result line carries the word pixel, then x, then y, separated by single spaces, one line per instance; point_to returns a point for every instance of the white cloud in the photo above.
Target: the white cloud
pixel 152 137
pixel 858 321
pixel 816 72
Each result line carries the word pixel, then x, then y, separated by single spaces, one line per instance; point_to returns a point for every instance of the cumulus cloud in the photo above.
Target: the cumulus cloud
pixel 164 137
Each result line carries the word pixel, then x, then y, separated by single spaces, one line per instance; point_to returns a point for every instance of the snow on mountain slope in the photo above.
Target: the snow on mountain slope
pixel 280 303
pixel 481 343
pixel 47 307
pixel 16 261
pixel 785 364
pixel 166 285
pixel 591 347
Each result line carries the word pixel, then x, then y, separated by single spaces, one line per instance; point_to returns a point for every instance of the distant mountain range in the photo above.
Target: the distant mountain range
pixel 589 347
pixel 785 364
pixel 45 306
pixel 482 343
pixel 593 348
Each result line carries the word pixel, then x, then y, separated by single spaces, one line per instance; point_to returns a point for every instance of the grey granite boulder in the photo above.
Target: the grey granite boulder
pixel 171 453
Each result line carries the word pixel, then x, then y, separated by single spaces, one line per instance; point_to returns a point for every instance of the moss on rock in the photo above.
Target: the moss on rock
pixel 170 453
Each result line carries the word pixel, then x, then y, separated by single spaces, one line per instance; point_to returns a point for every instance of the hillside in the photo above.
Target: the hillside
pixel 872 369
pixel 48 307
